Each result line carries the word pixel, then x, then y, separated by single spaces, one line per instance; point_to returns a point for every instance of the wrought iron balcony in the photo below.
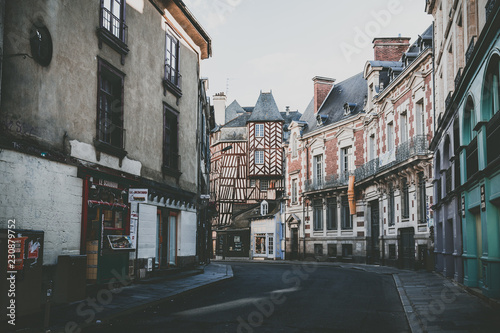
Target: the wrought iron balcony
pixel 470 49
pixel 328 182
pixel 447 101
pixel 418 145
pixel 458 77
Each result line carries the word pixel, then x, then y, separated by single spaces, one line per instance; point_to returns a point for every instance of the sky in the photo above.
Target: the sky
pixel 280 45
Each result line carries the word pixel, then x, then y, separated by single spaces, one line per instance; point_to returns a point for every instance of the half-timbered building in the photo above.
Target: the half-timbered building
pixel 247 169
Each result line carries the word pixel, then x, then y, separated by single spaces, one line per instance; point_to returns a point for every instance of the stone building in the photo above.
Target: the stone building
pixel 97 145
pixel 466 173
pixel 358 167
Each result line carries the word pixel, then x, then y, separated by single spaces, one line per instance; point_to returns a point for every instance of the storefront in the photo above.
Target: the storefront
pixel 107 234
pixel 266 239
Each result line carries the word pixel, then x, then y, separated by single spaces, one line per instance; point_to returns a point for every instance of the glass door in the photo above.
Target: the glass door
pixel 172 239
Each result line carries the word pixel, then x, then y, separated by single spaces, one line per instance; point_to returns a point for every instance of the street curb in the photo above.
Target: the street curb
pixel 229 275
pixel 411 315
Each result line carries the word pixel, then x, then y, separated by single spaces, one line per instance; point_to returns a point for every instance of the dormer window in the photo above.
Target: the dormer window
pixel 264 208
pixel 321 119
pixel 348 108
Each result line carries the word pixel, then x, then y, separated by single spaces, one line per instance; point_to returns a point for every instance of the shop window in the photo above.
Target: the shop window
pixel 109 124
pixel 346 250
pixel 331 213
pixel 260 244
pixel 318 249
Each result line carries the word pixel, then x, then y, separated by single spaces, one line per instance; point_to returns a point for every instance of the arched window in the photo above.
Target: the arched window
pixel 294 145
pixel 491 89
pixel 468 122
pixel 264 208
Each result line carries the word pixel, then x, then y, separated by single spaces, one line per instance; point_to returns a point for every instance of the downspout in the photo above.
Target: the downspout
pixel 303 204
pixel 433 80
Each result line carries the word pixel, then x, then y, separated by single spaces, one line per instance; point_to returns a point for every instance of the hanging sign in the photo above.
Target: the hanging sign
pixel 483 198
pixel 138 195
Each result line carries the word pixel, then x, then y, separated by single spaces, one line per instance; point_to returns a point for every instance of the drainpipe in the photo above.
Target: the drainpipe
pixel 433 80
pixel 303 204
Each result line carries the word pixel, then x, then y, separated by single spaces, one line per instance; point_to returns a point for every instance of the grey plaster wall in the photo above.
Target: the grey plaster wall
pixel 45 102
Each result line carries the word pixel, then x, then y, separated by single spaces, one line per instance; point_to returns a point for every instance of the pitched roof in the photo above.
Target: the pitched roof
pixel 291 116
pixel 266 109
pixel 232 111
pixel 352 91
pixel 240 121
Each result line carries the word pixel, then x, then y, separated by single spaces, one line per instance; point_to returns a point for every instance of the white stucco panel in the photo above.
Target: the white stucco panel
pixel 85 151
pixel 42 195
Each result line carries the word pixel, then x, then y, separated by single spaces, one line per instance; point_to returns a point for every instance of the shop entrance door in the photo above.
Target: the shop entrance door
pixel 407 248
pixel 270 245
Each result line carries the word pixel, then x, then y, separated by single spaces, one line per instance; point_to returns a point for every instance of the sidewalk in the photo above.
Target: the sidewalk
pixel 112 303
pixel 431 302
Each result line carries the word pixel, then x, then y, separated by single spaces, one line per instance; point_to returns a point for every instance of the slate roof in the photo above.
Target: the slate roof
pixel 352 90
pixel 266 109
pixel 233 111
pixel 243 217
pixel 240 121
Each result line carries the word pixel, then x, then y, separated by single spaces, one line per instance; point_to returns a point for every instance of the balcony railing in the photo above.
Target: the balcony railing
pixel 447 101
pixel 418 145
pixel 331 181
pixel 458 77
pixel 470 49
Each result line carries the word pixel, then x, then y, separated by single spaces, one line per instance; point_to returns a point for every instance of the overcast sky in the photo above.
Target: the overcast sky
pixel 280 45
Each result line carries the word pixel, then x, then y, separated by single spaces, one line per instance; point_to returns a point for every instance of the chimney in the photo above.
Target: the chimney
pixel 219 101
pixel 322 86
pixel 287 110
pixel 390 48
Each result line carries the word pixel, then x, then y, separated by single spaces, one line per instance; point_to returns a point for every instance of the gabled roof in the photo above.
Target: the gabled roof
pixel 291 116
pixel 266 109
pixel 352 91
pixel 232 111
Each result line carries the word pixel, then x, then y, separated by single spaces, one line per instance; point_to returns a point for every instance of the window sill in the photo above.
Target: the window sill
pixel 176 90
pixel 104 147
pixel 115 43
pixel 168 171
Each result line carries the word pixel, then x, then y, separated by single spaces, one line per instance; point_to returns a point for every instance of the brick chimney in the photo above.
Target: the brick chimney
pixel 390 48
pixel 322 86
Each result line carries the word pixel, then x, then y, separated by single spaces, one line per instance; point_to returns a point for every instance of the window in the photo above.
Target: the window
pixel 405 200
pixel 420 117
pixel 294 191
pixel 346 250
pixel 264 185
pixel 259 130
pixel 260 244
pixel 318 249
pixel 331 213
pixel 294 145
pixel 372 147
pixel 172 79
pixel 404 127
pixel 344 160
pixel 390 204
pixel 318 170
pixel 422 199
pixel 259 157
pixel 264 208
pixel 170 142
pixel 318 214
pixel 332 250
pixel 491 90
pixel 112 17
pixel 252 182
pixel 345 214
pixel 390 136
pixel 109 125
pixel 270 246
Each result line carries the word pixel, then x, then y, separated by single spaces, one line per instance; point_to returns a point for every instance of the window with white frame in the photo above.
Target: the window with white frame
pixel 372 147
pixel 404 127
pixel 318 214
pixel 345 159
pixel 259 130
pixel 259 157
pixel 420 117
pixel 345 214
pixel 264 208
pixel 390 136
pixel 331 213
pixel 318 170
pixel 294 191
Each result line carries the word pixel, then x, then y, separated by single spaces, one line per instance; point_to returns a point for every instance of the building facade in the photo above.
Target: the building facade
pixel 99 155
pixel 358 167
pixel 466 155
pixel 246 170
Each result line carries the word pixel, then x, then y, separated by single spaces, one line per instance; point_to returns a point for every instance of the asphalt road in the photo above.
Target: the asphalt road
pixel 266 297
